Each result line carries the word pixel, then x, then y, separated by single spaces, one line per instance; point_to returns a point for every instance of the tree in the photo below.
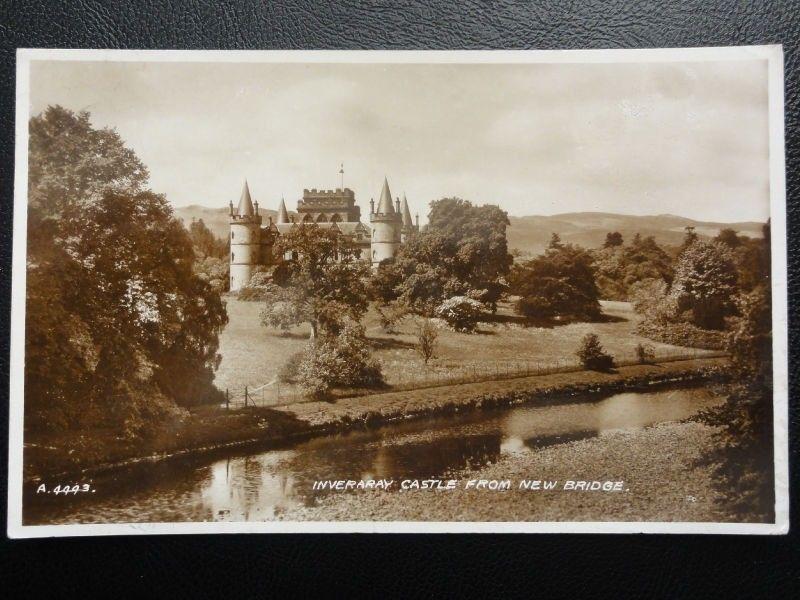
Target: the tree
pixel 205 243
pixel 462 251
pixel 119 328
pixel 323 282
pixel 742 460
pixel 426 339
pixel 613 239
pixel 558 283
pixel 689 238
pixel 705 281
pixel 591 354
pixel 729 237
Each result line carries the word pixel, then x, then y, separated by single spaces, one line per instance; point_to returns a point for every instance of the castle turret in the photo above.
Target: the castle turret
pixel 245 241
pixel 408 224
pixel 283 215
pixel 386 227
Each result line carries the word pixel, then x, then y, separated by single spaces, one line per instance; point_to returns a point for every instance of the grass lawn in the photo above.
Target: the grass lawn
pixel 252 353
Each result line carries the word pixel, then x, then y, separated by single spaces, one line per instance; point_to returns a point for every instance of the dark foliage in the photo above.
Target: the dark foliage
pixel 592 355
pixel 558 283
pixel 463 251
pixel 118 327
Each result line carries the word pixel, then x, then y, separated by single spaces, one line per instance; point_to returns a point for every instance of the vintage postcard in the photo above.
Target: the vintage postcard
pixel 296 291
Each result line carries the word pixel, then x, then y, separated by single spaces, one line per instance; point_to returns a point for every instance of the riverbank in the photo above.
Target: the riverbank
pixel 215 429
pixel 657 465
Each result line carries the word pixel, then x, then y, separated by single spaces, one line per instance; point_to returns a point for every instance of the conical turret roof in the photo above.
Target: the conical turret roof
pixel 245 202
pixel 385 205
pixel 407 222
pixel 283 216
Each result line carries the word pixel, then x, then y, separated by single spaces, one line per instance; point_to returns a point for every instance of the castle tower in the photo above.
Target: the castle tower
pixel 245 240
pixel 408 224
pixel 387 224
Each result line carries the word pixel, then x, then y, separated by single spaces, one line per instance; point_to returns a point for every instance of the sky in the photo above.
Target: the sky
pixel 689 139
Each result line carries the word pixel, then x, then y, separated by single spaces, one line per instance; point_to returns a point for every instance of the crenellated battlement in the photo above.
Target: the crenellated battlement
pixel 314 193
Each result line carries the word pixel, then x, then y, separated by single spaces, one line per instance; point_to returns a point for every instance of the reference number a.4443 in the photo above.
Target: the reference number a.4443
pixel 66 489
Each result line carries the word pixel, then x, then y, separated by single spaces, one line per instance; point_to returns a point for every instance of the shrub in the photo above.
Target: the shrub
pixel 645 354
pixel 341 360
pixel 258 286
pixel 461 313
pixel 592 355
pixel 682 334
pixel 426 340
pixel 252 294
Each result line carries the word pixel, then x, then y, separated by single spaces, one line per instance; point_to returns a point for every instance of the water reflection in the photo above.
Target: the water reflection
pixel 262 485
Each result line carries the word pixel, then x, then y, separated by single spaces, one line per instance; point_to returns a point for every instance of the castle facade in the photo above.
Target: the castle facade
pixel 252 241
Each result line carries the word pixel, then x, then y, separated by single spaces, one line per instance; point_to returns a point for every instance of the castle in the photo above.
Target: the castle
pixel 252 243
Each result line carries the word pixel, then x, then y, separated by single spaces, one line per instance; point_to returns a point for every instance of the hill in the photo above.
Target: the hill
pixel 216 219
pixel 532 233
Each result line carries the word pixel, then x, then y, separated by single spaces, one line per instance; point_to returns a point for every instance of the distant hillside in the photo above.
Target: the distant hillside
pixel 532 234
pixel 216 219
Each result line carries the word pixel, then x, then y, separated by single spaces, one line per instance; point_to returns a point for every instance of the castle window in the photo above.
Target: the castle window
pixel 233 257
pixel 231 235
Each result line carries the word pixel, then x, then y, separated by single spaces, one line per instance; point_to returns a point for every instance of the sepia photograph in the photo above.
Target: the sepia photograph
pixel 373 291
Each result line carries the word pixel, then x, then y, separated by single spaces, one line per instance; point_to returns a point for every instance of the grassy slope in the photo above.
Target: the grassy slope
pixel 252 353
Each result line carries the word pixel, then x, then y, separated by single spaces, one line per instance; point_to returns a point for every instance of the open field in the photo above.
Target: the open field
pixel 252 353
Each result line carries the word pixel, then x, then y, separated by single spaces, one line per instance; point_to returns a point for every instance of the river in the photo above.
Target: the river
pixel 256 485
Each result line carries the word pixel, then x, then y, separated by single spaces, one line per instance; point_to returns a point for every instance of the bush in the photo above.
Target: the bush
pixel 645 354
pixel 342 360
pixel 258 286
pixel 461 313
pixel 682 334
pixel 592 355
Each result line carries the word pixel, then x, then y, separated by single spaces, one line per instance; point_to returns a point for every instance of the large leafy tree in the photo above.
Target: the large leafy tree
pixel 118 327
pixel 463 251
pixel 706 282
pixel 558 283
pixel 319 280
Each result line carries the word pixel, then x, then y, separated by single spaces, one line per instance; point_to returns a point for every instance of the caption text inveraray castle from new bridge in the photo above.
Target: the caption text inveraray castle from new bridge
pixel 252 243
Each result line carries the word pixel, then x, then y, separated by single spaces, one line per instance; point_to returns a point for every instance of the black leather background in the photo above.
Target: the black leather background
pixel 617 566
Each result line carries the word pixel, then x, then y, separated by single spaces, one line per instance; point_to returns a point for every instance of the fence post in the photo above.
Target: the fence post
pixel 227 399
pixel 245 396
